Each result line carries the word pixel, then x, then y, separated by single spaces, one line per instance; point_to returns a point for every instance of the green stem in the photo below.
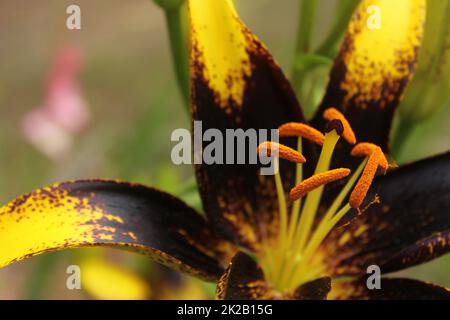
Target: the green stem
pixel 344 13
pixel 303 43
pixel 306 25
pixel 176 20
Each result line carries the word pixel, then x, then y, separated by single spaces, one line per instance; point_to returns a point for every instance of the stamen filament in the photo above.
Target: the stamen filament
pixel 281 203
pixel 269 263
pixel 313 198
pixel 323 231
pixel 285 249
pixel 288 259
pixel 298 203
pixel 344 192
pixel 319 236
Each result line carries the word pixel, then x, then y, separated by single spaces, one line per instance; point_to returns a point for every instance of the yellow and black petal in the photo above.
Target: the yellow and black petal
pixel 391 289
pixel 109 213
pixel 408 225
pixel 236 84
pixel 375 63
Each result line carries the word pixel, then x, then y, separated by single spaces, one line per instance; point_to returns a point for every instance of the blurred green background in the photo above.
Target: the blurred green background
pixel 130 87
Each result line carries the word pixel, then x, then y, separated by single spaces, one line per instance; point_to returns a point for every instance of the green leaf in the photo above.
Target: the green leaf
pixel 429 91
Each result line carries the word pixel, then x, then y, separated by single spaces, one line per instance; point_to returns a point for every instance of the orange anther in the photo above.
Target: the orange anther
pixel 295 129
pixel 283 151
pixel 332 114
pixel 376 159
pixel 366 149
pixel 316 181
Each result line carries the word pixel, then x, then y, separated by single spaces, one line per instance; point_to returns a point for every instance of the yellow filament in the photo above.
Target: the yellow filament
pixel 281 204
pixel 303 226
pixel 313 198
pixel 318 237
pixel 297 204
pixel 295 129
pixel 324 226
pixel 344 192
pixel 284 250
pixel 290 259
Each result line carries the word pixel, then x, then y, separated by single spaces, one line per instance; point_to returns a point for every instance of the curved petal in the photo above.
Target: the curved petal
pixel 391 289
pixel 236 84
pixel 109 213
pixel 243 280
pixel 374 66
pixel 313 290
pixel 411 225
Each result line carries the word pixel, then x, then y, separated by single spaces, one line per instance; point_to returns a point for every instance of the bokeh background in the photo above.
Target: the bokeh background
pixel 128 83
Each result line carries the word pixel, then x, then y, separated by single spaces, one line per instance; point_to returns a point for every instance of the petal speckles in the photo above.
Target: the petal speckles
pixel 51 217
pixel 379 59
pixel 376 61
pixel 224 64
pixel 236 84
pixel 109 213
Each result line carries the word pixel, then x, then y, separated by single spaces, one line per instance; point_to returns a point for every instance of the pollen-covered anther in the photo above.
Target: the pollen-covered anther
pixel 366 149
pixel 296 129
pixel 376 159
pixel 333 114
pixel 316 181
pixel 281 151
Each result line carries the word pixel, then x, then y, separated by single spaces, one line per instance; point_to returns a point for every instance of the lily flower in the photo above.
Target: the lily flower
pixel 278 246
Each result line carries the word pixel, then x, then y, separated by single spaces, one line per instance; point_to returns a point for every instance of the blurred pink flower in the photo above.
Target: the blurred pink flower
pixel 51 127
